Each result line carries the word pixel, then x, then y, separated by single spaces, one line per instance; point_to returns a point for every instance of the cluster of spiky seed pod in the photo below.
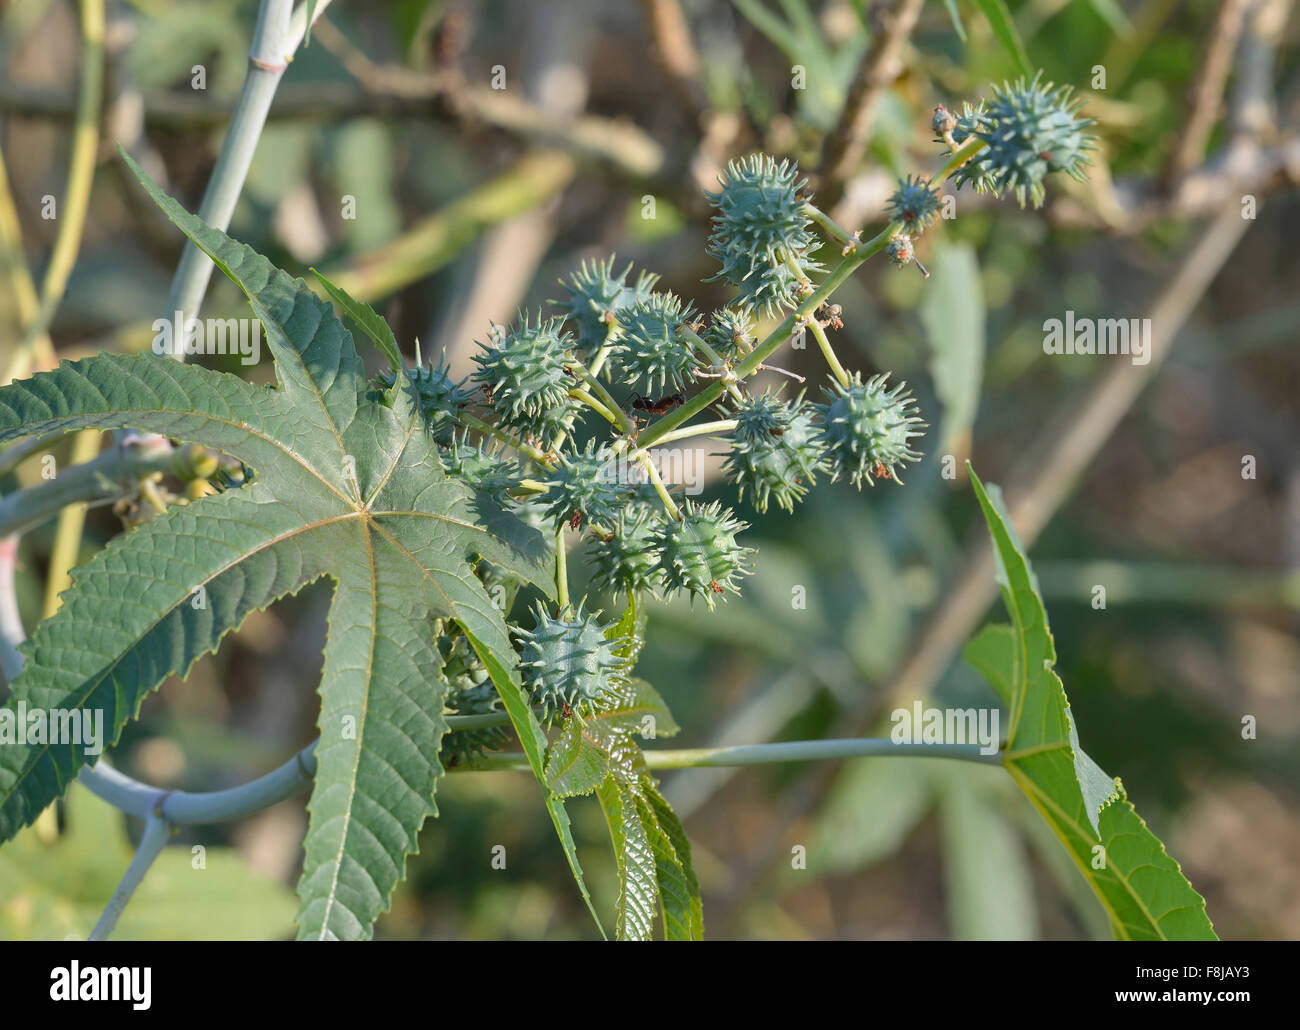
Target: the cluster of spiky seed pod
pixel 1029 129
pixel 537 379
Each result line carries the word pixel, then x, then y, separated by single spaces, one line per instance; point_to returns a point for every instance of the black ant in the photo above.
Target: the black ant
pixel 657 407
pixel 575 520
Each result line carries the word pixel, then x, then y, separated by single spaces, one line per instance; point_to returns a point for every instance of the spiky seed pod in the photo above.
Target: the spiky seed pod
pixel 524 372
pixel 867 429
pixel 440 397
pixel 698 553
pixel 628 562
pixel 760 230
pixel 597 295
pixel 1030 129
pixel 471 693
pixel 584 484
pixel 653 352
pixel 482 467
pixel 731 333
pixel 776 450
pixel 568 662
pixel 900 250
pixel 460 747
pixel 970 121
pixel 914 203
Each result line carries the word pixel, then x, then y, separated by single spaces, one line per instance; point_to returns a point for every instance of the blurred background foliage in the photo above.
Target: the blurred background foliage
pixel 470 203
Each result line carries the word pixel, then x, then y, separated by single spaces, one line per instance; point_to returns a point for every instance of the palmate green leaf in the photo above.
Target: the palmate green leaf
pixel 345 487
pixel 638 876
pixel 1142 889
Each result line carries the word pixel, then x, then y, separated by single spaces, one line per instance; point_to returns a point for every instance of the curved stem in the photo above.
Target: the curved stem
pixel 657 482
pixel 749 364
pixel 104 477
pixel 157 831
pixel 718 427
pixel 488 429
pixel 828 352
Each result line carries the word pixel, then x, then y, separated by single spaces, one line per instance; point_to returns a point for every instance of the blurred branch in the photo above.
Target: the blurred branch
pixel 435 240
pixel 277 35
pixel 76 199
pixel 616 144
pixel 15 270
pixel 103 478
pixel 675 52
pixel 844 148
pixel 1206 99
pixel 1170 583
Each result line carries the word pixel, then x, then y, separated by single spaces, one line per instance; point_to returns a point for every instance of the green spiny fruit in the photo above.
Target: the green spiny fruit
pixel 698 553
pixel 584 486
pixel 525 375
pixel 440 397
pixel 867 429
pixel 597 296
pixel 568 663
pixel 482 468
pixel 776 450
pixel 628 561
pixel 731 333
pixel 472 693
pixel 1029 129
pixel 914 203
pixel 760 231
pixel 653 351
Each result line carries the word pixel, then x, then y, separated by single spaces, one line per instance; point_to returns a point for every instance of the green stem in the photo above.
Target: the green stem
pixel 607 348
pixel 622 420
pixel 599 407
pixel 157 832
pixel 657 482
pixel 749 364
pixel 719 366
pixel 973 146
pixel 718 427
pixel 277 35
pixel 768 754
pixel 488 429
pixel 561 570
pixel 828 352
pixel 103 478
pixel 828 225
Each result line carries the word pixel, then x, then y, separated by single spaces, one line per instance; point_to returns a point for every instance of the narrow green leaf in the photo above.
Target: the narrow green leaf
pixel 638 896
pixel 1143 890
pixel 575 764
pixel 368 321
pixel 1004 27
pixel 533 740
pixel 1113 15
pixel 952 311
pixel 679 890
pixel 955 15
